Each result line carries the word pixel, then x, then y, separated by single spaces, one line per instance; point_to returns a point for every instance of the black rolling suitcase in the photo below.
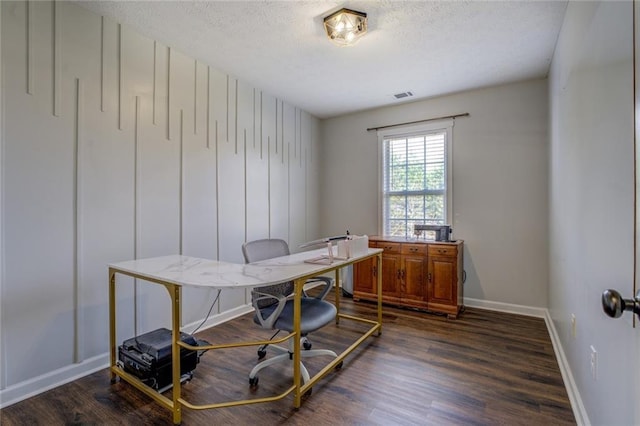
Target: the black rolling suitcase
pixel 148 357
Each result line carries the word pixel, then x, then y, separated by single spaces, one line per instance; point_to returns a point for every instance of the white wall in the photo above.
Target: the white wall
pixel 591 204
pixel 499 183
pixel 115 146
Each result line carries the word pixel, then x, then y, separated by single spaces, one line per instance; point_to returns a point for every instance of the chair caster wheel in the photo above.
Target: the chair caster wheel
pixel 306 345
pixel 339 365
pixel 262 354
pixel 253 382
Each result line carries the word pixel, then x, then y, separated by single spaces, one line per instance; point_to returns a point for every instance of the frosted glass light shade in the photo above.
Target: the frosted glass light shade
pixel 345 27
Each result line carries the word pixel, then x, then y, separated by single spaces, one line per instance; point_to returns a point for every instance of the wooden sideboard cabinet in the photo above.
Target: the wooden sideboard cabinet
pixel 418 274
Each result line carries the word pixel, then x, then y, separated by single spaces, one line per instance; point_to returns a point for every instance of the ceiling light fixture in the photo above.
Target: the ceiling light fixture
pixel 345 27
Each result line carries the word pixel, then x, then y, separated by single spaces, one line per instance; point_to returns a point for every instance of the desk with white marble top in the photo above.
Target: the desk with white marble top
pixel 177 271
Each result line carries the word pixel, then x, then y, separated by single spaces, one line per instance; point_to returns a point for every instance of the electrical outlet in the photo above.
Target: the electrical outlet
pixel 594 363
pixel 573 325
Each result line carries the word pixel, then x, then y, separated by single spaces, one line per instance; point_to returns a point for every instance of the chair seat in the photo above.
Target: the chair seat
pixel 315 315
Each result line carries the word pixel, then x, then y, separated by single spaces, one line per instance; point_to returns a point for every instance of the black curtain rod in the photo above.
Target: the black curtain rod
pixel 466 114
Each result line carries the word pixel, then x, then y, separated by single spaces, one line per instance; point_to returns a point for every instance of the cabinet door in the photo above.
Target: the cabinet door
pixel 414 274
pixel 391 273
pixel 365 276
pixel 442 280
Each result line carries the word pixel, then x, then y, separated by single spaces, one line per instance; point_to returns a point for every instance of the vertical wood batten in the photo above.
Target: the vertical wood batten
pixel 78 320
pixel 119 74
pixel 306 199
pixel 276 127
pixel 181 186
pixel 29 50
pixel 136 177
pixel 168 93
pixel 208 120
pixel 235 138
pixel 217 196
pixel 102 61
pixel 280 126
pixel 253 116
pixel 195 97
pixel 3 346
pixel 155 82
pixel 269 183
pixel 296 132
pixel 57 66
pixel 246 222
pixel 247 292
pixel 136 207
pixel 288 192
pixel 310 142
pixel 314 140
pixel 227 111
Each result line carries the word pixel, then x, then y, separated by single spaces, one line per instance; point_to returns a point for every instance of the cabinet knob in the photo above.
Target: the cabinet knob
pixel 429 277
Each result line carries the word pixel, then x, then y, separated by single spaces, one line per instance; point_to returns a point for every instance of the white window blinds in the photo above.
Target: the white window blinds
pixel 414 184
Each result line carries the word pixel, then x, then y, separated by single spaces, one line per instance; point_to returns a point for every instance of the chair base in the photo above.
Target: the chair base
pixel 287 355
pixel 262 350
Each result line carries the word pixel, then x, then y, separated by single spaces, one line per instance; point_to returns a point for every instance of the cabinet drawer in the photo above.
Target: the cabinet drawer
pixel 442 250
pixel 388 247
pixel 420 249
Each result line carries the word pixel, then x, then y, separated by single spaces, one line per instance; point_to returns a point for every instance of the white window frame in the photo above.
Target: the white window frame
pixel 405 131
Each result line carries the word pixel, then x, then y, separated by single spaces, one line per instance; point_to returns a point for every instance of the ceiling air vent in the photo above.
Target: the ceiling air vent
pixel 402 95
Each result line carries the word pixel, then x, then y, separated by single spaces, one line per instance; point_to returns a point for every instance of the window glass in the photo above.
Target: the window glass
pixel 414 181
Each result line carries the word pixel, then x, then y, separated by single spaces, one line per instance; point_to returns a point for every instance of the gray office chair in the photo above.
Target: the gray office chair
pixel 274 309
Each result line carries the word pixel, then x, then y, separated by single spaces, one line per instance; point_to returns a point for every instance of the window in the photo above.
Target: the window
pixel 415 179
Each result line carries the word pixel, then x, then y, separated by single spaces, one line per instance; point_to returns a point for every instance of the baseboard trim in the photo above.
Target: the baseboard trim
pixel 37 385
pixel 45 382
pixel 582 419
pixel 510 308
pixel 579 411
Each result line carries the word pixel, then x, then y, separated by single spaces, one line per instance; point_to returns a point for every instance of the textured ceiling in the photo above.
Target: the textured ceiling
pixel 427 48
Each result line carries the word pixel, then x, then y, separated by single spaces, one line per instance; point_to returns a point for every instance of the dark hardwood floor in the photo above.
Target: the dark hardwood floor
pixel 485 368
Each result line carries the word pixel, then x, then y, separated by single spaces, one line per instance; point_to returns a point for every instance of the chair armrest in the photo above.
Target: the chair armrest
pixel 328 283
pixel 271 319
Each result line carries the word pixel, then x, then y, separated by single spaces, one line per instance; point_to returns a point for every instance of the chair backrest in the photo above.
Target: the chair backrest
pixel 255 251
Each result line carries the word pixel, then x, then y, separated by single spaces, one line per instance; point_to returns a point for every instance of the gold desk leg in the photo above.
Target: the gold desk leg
pixel 337 294
pixel 297 309
pixel 112 323
pixel 379 258
pixel 175 292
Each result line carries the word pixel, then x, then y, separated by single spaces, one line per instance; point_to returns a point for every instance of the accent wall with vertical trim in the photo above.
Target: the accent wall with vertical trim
pixel 114 147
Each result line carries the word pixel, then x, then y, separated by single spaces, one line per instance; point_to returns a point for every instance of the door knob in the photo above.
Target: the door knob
pixel 614 305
